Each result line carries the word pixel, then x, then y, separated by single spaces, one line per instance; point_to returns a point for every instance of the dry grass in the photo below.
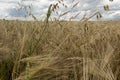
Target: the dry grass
pixel 64 51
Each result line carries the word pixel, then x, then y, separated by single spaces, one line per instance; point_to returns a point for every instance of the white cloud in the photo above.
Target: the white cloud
pixel 10 9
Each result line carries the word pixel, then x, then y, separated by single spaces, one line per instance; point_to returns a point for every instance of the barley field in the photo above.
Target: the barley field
pixel 60 50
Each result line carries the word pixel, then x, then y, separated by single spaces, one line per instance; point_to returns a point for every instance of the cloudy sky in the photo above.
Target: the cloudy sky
pixel 13 9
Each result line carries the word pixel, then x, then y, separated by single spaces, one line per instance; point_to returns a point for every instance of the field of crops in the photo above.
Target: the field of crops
pixel 60 50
